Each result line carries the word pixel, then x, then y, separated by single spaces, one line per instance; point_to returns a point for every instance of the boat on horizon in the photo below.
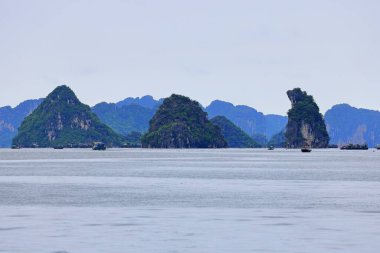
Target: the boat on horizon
pixel 354 147
pixel 99 146
pixel 306 149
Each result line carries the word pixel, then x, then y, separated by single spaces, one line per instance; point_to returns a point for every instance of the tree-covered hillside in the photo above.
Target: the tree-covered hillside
pixel 61 119
pixel 126 118
pixel 235 137
pixel 181 123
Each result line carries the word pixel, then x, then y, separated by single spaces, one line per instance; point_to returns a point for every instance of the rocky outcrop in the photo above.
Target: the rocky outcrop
pixel 61 119
pixel 306 126
pixel 181 123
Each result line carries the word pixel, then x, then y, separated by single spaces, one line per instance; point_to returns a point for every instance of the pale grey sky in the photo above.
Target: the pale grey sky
pixel 246 52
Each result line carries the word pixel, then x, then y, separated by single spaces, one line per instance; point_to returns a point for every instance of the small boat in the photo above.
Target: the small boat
pixel 305 150
pixel 99 146
pixel 354 147
pixel 270 148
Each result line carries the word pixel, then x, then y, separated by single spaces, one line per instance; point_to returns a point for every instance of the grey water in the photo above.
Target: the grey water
pixel 136 200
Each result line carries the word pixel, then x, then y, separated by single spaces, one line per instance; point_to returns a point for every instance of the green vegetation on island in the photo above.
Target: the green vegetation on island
pixel 126 118
pixel 235 136
pixel 345 124
pixel 306 126
pixel 181 123
pixel 62 120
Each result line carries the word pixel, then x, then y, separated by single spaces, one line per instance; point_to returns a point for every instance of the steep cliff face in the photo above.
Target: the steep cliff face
pixel 347 124
pixel 306 126
pixel 181 123
pixel 61 119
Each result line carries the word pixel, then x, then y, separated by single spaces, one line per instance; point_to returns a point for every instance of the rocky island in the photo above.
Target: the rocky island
pixel 181 123
pixel 306 126
pixel 62 120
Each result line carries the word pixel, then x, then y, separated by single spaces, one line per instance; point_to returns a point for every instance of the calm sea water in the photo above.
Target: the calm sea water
pixel 131 200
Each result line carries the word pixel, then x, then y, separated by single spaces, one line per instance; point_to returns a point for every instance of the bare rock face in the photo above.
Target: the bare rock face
pixel 61 119
pixel 347 124
pixel 306 126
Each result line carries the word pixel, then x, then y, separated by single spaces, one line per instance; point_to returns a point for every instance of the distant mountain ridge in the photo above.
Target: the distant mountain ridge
pixel 11 118
pixel 247 118
pixel 124 119
pixel 347 124
pixel 128 115
pixel 146 101
pixel 235 137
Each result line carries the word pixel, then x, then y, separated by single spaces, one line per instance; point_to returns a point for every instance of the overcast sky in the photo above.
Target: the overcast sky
pixel 246 52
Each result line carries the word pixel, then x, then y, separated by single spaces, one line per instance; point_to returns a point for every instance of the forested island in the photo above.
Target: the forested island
pixel 181 123
pixel 306 126
pixel 61 119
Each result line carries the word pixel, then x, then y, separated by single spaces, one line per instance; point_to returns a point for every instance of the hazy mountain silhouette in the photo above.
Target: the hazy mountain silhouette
pixel 347 124
pixel 247 118
pixel 11 118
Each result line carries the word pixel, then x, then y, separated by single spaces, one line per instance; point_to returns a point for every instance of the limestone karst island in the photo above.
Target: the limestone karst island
pixel 200 126
pixel 61 120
